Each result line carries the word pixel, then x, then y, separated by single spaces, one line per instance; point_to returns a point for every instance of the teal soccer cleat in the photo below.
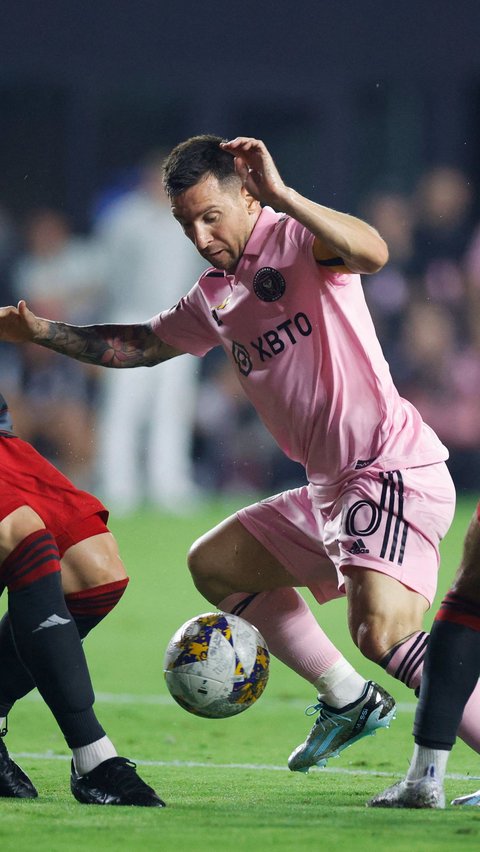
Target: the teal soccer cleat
pixel 336 729
pixel 471 799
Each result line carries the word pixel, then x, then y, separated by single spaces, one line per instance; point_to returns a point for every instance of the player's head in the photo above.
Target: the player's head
pixel 209 200
pixel 191 161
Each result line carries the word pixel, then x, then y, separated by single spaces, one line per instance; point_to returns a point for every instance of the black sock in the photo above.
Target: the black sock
pixel 88 609
pixel 47 639
pixel 16 681
pixel 450 674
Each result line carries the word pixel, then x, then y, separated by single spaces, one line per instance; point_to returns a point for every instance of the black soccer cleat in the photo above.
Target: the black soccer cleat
pixel 114 782
pixel 14 784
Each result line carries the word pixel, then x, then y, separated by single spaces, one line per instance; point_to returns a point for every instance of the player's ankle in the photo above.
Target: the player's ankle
pixel 340 684
pixel 88 757
pixel 424 757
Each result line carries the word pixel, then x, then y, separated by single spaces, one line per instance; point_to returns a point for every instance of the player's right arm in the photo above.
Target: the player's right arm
pixel 116 345
pixel 341 241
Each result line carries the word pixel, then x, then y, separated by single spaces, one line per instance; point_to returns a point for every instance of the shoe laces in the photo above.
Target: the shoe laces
pixel 326 718
pixel 123 775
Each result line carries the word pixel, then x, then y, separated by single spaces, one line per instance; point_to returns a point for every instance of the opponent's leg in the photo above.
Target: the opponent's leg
pixel 453 653
pixel 93 581
pixel 454 650
pixel 45 636
pixel 48 643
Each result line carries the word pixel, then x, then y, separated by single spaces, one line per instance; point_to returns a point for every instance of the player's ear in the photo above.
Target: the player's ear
pixel 252 204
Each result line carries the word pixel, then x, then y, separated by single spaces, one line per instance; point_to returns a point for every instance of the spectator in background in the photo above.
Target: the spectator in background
pixel 426 302
pixel 472 279
pixel 10 356
pixel 8 248
pixel 60 274
pixel 146 420
pixel 444 224
pixel 440 378
pixel 388 291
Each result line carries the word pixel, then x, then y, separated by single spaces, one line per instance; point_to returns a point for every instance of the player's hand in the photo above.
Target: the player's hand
pixel 18 325
pixel 255 166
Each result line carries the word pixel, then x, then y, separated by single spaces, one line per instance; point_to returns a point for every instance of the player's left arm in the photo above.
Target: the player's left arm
pixel 341 240
pixel 107 345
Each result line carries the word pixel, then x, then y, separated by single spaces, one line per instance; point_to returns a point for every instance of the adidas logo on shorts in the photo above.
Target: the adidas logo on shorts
pixel 358 546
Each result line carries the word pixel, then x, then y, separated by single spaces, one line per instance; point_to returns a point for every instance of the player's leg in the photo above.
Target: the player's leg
pixel 230 558
pixel 385 562
pixel 49 645
pixel 252 554
pixel 454 651
pixel 93 576
pixel 93 581
pixel 453 656
pixel 383 614
pixel 45 637
pixel 458 623
pixel 387 587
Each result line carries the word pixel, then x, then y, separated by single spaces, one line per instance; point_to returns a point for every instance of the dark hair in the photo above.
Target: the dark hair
pixel 194 159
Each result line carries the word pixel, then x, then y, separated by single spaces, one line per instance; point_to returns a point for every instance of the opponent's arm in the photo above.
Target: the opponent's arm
pixel 116 345
pixel 337 235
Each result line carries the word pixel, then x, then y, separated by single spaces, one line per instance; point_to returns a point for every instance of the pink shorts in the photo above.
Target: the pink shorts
pixel 388 521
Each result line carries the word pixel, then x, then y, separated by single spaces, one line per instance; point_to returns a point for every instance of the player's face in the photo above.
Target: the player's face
pixel 218 219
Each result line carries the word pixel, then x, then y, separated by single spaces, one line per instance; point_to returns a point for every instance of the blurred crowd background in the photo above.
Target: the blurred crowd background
pixel 382 121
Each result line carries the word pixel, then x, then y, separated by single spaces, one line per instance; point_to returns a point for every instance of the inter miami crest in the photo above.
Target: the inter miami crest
pixel 269 284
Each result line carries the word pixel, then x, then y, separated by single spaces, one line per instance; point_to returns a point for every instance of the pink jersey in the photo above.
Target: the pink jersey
pixel 303 344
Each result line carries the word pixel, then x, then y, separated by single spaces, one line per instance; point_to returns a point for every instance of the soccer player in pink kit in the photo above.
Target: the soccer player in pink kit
pixel 283 297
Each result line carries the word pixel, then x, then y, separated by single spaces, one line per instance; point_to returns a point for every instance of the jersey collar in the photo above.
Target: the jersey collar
pixel 261 231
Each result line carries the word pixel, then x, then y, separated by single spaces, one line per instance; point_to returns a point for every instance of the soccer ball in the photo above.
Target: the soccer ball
pixel 216 665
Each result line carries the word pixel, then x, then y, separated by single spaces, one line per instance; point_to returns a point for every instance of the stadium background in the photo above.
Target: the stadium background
pixel 369 107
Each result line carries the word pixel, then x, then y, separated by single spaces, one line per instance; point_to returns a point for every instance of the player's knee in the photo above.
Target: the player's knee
pixel 17 526
pixel 205 572
pixel 200 565
pixel 374 636
pixel 107 563
pixel 92 562
pixel 381 612
pixel 108 572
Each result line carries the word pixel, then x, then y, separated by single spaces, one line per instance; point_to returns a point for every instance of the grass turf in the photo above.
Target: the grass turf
pixel 225 781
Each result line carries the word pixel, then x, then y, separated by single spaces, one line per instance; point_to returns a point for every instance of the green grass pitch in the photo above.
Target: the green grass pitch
pixel 225 781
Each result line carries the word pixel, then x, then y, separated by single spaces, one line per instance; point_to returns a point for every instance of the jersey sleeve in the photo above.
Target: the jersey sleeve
pixel 302 239
pixel 188 325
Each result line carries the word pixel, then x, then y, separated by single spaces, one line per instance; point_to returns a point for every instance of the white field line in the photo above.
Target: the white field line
pixel 132 698
pixel 256 767
pixel 274 703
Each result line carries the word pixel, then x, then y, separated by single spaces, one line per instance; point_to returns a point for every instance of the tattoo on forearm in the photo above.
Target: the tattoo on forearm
pixel 117 346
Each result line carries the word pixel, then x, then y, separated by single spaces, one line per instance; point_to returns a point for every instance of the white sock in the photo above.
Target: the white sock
pixel 340 684
pixel 423 757
pixel 88 757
